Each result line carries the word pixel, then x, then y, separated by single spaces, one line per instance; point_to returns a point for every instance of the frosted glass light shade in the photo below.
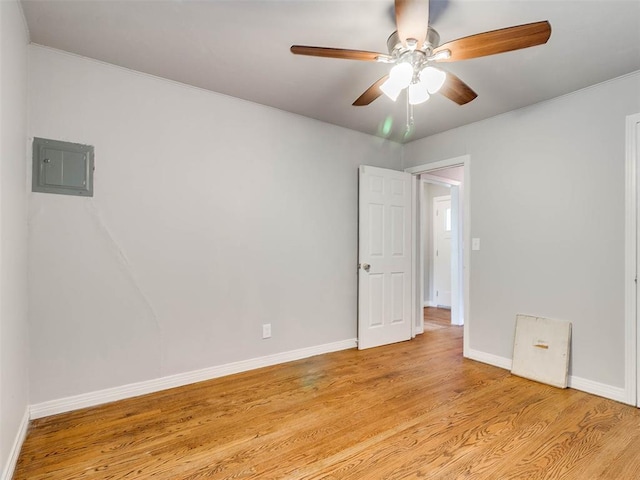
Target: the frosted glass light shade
pixel 391 89
pixel 433 78
pixel 401 74
pixel 418 93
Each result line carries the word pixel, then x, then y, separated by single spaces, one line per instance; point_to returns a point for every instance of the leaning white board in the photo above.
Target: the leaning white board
pixel 541 350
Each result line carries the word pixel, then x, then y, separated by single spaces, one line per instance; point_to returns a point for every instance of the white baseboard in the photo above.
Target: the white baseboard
pixel 600 389
pixel 12 461
pixel 428 303
pixel 489 359
pixel 589 386
pixel 91 399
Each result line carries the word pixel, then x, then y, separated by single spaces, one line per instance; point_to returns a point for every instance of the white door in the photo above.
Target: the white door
pixel 384 273
pixel 442 250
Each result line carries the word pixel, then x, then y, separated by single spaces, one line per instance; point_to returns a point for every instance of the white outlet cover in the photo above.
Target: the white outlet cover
pixel 475 244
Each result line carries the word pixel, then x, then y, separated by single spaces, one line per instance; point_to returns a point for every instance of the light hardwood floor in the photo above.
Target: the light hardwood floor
pixel 411 410
pixel 437 316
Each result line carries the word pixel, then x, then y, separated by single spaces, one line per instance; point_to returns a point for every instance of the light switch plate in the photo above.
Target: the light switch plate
pixel 266 330
pixel 475 244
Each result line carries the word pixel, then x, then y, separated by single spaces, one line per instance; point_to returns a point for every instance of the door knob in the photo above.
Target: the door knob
pixel 366 267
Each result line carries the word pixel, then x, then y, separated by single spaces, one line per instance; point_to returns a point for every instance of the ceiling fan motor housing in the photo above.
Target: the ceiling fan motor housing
pixel 395 47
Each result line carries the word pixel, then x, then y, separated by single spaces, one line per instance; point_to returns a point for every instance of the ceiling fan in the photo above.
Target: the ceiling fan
pixel 415 47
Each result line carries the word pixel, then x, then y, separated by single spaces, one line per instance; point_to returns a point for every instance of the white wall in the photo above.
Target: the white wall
pixel 211 216
pixel 13 231
pixel 547 201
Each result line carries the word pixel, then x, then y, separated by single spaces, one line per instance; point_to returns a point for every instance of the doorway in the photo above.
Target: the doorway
pixel 441 241
pixel 436 173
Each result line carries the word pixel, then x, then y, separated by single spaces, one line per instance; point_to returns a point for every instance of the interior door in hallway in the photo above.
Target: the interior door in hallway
pixel 442 250
pixel 384 270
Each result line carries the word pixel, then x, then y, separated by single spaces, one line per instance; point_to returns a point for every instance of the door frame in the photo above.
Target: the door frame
pixel 416 301
pixel 632 245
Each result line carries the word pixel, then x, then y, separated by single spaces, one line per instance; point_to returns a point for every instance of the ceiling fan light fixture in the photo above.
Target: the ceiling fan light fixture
pixel 391 88
pixel 418 93
pixel 401 74
pixel 433 78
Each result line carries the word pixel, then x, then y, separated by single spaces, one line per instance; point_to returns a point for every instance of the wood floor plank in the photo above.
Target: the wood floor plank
pixel 411 410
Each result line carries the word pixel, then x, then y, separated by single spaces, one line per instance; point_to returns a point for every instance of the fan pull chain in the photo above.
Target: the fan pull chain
pixel 410 120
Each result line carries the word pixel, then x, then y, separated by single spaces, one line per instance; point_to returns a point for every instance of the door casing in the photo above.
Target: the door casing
pixel 632 261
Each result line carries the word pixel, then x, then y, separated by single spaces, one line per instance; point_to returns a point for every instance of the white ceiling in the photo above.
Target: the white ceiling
pixel 241 48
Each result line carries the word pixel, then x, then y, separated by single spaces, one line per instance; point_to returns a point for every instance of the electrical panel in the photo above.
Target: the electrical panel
pixel 62 167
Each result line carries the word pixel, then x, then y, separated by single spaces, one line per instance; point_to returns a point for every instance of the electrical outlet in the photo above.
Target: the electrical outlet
pixel 266 330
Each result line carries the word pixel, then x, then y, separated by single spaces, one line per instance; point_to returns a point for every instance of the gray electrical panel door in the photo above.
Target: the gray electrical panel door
pixel 62 167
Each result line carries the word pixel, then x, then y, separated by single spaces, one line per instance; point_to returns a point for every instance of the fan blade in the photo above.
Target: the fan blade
pixel 496 41
pixel 371 93
pixel 456 90
pixel 412 20
pixel 336 53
